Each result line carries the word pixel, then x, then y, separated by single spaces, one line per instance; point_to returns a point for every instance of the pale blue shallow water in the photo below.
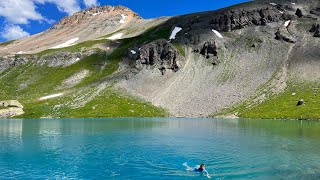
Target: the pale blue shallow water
pixel 157 148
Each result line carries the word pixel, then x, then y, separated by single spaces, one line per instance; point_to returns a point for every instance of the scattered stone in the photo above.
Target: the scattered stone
pixel 300 102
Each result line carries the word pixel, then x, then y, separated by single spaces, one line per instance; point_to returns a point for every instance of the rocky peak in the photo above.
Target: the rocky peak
pixel 87 15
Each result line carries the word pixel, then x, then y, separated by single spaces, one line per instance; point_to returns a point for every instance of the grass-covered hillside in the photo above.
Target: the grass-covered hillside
pixel 93 95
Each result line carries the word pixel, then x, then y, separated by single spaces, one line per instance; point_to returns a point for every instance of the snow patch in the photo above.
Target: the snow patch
pixel 51 96
pixel 94 14
pixel 123 19
pixel 20 52
pixel 293 3
pixel 217 33
pixel 78 59
pixel 66 44
pixel 133 52
pixel 174 32
pixel 273 4
pixel 286 24
pixel 115 36
pixel 280 11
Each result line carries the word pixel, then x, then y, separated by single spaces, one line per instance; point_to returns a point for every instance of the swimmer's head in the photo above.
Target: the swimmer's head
pixel 202 166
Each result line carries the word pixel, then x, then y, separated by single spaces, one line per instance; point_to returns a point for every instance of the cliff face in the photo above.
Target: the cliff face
pixel 232 60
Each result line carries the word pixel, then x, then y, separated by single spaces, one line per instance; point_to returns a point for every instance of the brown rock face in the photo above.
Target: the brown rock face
pixel 85 16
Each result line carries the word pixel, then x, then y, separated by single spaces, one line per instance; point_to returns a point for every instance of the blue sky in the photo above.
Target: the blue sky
pixel 21 18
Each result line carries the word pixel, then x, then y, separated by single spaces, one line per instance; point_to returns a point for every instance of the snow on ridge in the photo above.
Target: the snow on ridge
pixel 51 96
pixel 115 36
pixel 66 44
pixel 133 52
pixel 286 24
pixel 94 14
pixel 123 19
pixel 217 33
pixel 174 32
pixel 273 4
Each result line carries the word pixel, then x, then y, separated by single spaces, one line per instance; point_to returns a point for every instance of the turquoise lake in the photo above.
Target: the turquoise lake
pixel 157 148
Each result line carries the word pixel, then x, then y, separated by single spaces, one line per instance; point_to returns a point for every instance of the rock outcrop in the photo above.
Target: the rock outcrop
pixel 283 34
pixel 240 18
pixel 15 60
pixel 159 54
pixel 12 108
pixel 64 58
pixel 59 59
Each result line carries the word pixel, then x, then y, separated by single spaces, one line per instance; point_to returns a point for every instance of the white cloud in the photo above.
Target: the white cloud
pixel 19 11
pixel 13 32
pixel 66 6
pixel 90 3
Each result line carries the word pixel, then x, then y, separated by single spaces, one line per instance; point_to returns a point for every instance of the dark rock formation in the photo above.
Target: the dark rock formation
pixel 316 30
pixel 299 13
pixel 209 50
pixel 158 53
pixel 237 19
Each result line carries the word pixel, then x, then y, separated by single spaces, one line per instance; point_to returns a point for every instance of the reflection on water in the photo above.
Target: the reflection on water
pixel 156 148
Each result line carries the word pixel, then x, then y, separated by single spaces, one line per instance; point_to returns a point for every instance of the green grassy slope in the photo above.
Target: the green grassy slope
pixel 283 105
pixel 29 82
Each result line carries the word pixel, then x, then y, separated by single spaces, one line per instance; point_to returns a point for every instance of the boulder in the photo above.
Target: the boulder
pixel 300 102
pixel 11 103
pixel 10 112
pixel 316 29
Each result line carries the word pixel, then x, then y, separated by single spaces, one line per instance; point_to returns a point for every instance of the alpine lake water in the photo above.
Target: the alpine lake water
pixel 158 148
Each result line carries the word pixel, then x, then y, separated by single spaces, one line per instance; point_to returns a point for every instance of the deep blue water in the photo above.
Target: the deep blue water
pixel 157 148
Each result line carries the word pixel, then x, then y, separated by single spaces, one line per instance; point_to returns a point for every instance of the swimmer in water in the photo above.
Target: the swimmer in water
pixel 202 168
